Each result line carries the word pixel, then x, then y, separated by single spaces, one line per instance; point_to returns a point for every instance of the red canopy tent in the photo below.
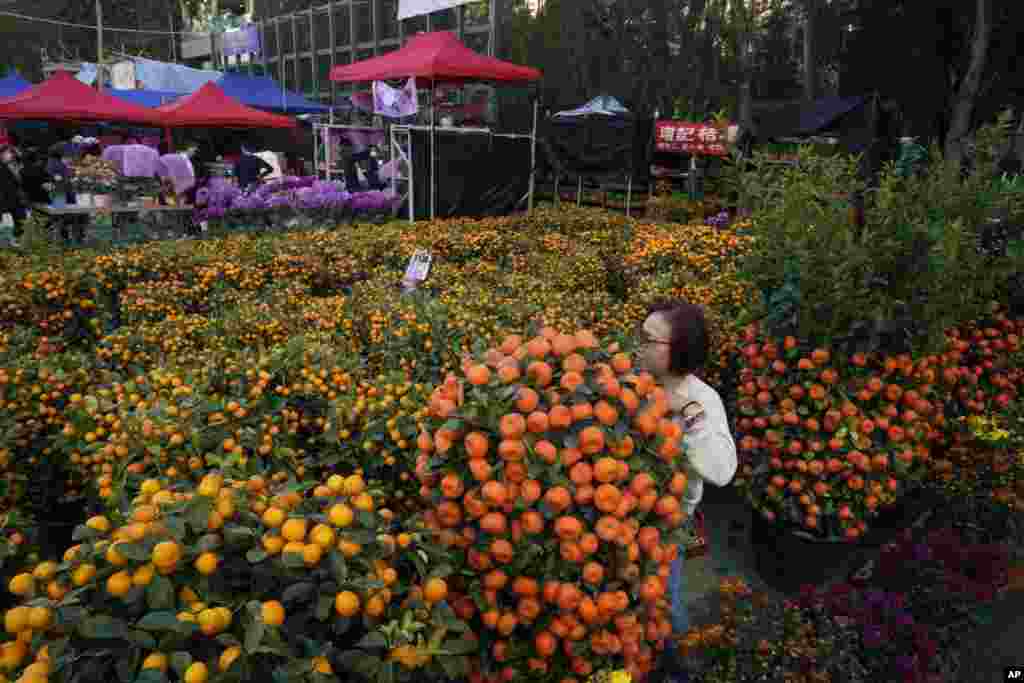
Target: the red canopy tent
pixel 437 56
pixel 64 98
pixel 210 107
pixel 440 58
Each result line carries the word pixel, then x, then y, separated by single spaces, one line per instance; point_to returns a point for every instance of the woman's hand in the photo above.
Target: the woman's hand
pixel 693 415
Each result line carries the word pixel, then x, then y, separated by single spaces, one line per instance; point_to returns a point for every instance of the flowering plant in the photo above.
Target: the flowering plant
pixel 307 199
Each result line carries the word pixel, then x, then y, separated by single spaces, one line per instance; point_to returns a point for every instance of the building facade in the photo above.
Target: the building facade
pixel 302 41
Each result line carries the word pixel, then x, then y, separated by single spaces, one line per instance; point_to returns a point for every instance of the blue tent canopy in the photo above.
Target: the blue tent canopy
pixel 13 84
pixel 146 98
pixel 265 93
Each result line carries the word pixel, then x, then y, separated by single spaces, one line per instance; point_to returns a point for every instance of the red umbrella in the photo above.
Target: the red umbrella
pixel 64 98
pixel 210 107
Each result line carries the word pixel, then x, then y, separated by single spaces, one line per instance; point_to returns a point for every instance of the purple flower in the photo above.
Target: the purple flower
pixel 904 664
pixel 872 636
pixel 904 618
pixel 875 598
pixel 922 552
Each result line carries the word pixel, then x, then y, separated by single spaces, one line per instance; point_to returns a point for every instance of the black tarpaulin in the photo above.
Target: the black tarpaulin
pixel 598 145
pixel 800 118
pixel 479 174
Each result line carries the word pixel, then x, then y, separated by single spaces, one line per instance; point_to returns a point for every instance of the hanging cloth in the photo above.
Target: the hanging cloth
pixel 172 77
pixel 395 103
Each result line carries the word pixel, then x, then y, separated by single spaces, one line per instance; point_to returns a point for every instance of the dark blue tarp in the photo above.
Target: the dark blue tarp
pixel 799 118
pixel 12 84
pixel 146 98
pixel 266 93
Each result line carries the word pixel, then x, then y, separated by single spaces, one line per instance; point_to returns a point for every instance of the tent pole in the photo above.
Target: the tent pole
pixel 579 191
pixel 558 197
pixel 433 153
pixel 629 193
pixel 533 158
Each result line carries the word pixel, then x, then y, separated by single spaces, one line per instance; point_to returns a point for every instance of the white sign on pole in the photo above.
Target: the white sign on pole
pixel 419 266
pixel 415 8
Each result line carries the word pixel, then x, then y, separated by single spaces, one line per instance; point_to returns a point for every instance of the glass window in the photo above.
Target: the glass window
pixel 388 19
pixel 343 57
pixel 289 74
pixel 302 28
pixel 322 27
pixel 342 27
pixel 444 20
pixel 477 13
pixel 270 40
pixel 414 25
pixel 287 39
pixel 323 73
pixel 304 79
pixel 476 41
pixel 364 21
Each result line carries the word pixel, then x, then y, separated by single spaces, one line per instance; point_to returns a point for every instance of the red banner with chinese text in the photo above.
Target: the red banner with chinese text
pixel 689 138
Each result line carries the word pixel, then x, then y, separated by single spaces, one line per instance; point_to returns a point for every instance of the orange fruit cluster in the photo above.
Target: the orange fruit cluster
pixel 553 467
pixel 845 437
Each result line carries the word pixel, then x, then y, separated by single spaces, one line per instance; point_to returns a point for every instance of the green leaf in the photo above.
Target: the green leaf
pixel 254 634
pixel 103 628
pixel 84 533
pixel 180 662
pixel 142 639
pixel 462 646
pixel 297 592
pixel 159 621
pixel 160 593
pixel 293 560
pixel 441 571
pixel 455 668
pixel 239 536
pixel 151 676
pixel 137 552
pixel 199 514
pixel 373 640
pixel 256 555
pixel 339 568
pixel 324 605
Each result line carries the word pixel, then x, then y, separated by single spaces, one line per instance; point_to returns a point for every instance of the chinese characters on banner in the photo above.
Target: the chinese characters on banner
pixel 689 138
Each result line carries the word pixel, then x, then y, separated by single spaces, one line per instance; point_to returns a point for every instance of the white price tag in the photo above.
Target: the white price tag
pixel 419 266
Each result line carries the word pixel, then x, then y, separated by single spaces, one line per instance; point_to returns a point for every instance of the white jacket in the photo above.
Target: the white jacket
pixel 710 452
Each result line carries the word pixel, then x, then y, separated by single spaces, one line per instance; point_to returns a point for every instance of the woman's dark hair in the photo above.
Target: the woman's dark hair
pixel 688 339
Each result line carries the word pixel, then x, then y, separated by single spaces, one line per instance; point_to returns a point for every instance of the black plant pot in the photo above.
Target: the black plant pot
pixel 786 561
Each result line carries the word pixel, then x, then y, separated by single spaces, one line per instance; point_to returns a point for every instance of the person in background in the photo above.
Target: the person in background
pixel 674 348
pixel 59 174
pixel 12 196
pixel 34 178
pixel 250 169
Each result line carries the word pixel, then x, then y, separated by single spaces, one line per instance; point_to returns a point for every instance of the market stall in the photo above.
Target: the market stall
pixel 211 107
pixel 263 92
pixel 600 140
pixel 65 98
pixel 687 141
pixel 440 58
pixel 13 84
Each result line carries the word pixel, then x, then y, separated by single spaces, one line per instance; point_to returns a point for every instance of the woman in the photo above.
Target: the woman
pixel 674 340
pixel 12 195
